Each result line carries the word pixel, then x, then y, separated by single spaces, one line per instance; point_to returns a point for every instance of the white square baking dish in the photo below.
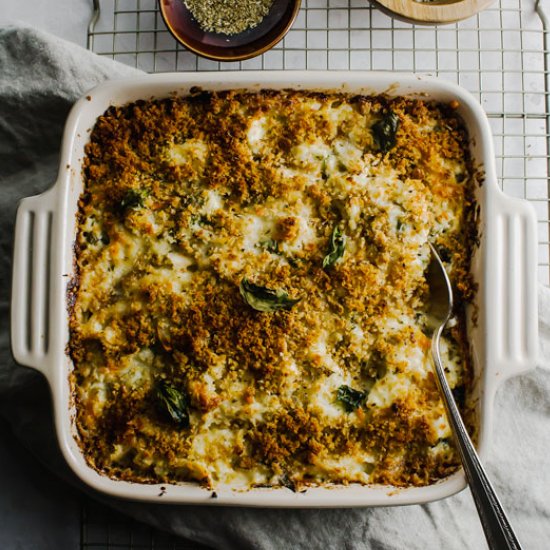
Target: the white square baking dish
pixel 503 338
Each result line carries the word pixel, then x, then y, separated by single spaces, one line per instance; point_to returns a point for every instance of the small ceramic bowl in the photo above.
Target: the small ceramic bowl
pixel 222 47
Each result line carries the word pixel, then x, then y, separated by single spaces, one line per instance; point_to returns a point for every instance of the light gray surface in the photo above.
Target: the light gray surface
pixel 67 19
pixel 37 510
pixel 39 79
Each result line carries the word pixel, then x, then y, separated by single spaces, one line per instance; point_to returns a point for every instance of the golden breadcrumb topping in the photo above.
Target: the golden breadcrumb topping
pixel 250 300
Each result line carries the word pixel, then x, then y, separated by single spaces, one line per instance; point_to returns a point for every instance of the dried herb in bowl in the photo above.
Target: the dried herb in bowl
pixel 228 16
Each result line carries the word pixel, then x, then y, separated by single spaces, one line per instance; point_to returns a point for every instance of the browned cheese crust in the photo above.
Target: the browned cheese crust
pixel 178 374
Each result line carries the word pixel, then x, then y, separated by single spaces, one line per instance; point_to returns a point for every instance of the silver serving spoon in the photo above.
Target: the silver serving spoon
pixel 498 531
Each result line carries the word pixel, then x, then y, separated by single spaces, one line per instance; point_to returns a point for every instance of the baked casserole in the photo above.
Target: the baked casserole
pixel 249 304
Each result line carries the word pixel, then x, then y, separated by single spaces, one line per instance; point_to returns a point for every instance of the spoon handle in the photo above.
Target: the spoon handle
pixel 498 531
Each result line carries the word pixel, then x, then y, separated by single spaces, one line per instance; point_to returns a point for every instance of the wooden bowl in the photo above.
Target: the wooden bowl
pixel 438 11
pixel 222 47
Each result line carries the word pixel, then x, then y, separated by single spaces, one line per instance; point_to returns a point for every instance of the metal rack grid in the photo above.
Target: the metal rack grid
pixel 501 55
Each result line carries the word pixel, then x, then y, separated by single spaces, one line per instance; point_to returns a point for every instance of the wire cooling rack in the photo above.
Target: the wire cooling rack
pixel 501 55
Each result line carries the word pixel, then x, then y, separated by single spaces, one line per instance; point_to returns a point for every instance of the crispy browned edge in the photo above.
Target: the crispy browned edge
pixel 468 293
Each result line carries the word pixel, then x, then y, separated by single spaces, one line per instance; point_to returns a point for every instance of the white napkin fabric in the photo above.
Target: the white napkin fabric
pixel 40 78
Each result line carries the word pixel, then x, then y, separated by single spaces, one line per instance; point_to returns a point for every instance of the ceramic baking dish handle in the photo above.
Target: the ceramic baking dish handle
pixel 31 281
pixel 512 281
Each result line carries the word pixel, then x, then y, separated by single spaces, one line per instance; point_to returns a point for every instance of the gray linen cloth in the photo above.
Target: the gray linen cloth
pixel 40 78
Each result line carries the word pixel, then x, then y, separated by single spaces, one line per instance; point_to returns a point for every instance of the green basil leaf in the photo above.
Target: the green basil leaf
pixel 337 247
pixel 134 198
pixel 384 131
pixel 369 467
pixel 271 245
pixel 287 482
pixel 173 403
pixel 351 399
pixel 265 299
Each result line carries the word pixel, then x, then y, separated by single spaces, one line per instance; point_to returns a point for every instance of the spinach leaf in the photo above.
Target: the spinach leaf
pixel 134 198
pixel 173 403
pixel 271 245
pixel 265 299
pixel 384 131
pixel 351 399
pixel 337 247
pixel 369 467
pixel 287 482
pixel 90 237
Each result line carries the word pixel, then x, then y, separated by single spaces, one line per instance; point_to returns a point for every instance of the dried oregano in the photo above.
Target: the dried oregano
pixel 228 16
